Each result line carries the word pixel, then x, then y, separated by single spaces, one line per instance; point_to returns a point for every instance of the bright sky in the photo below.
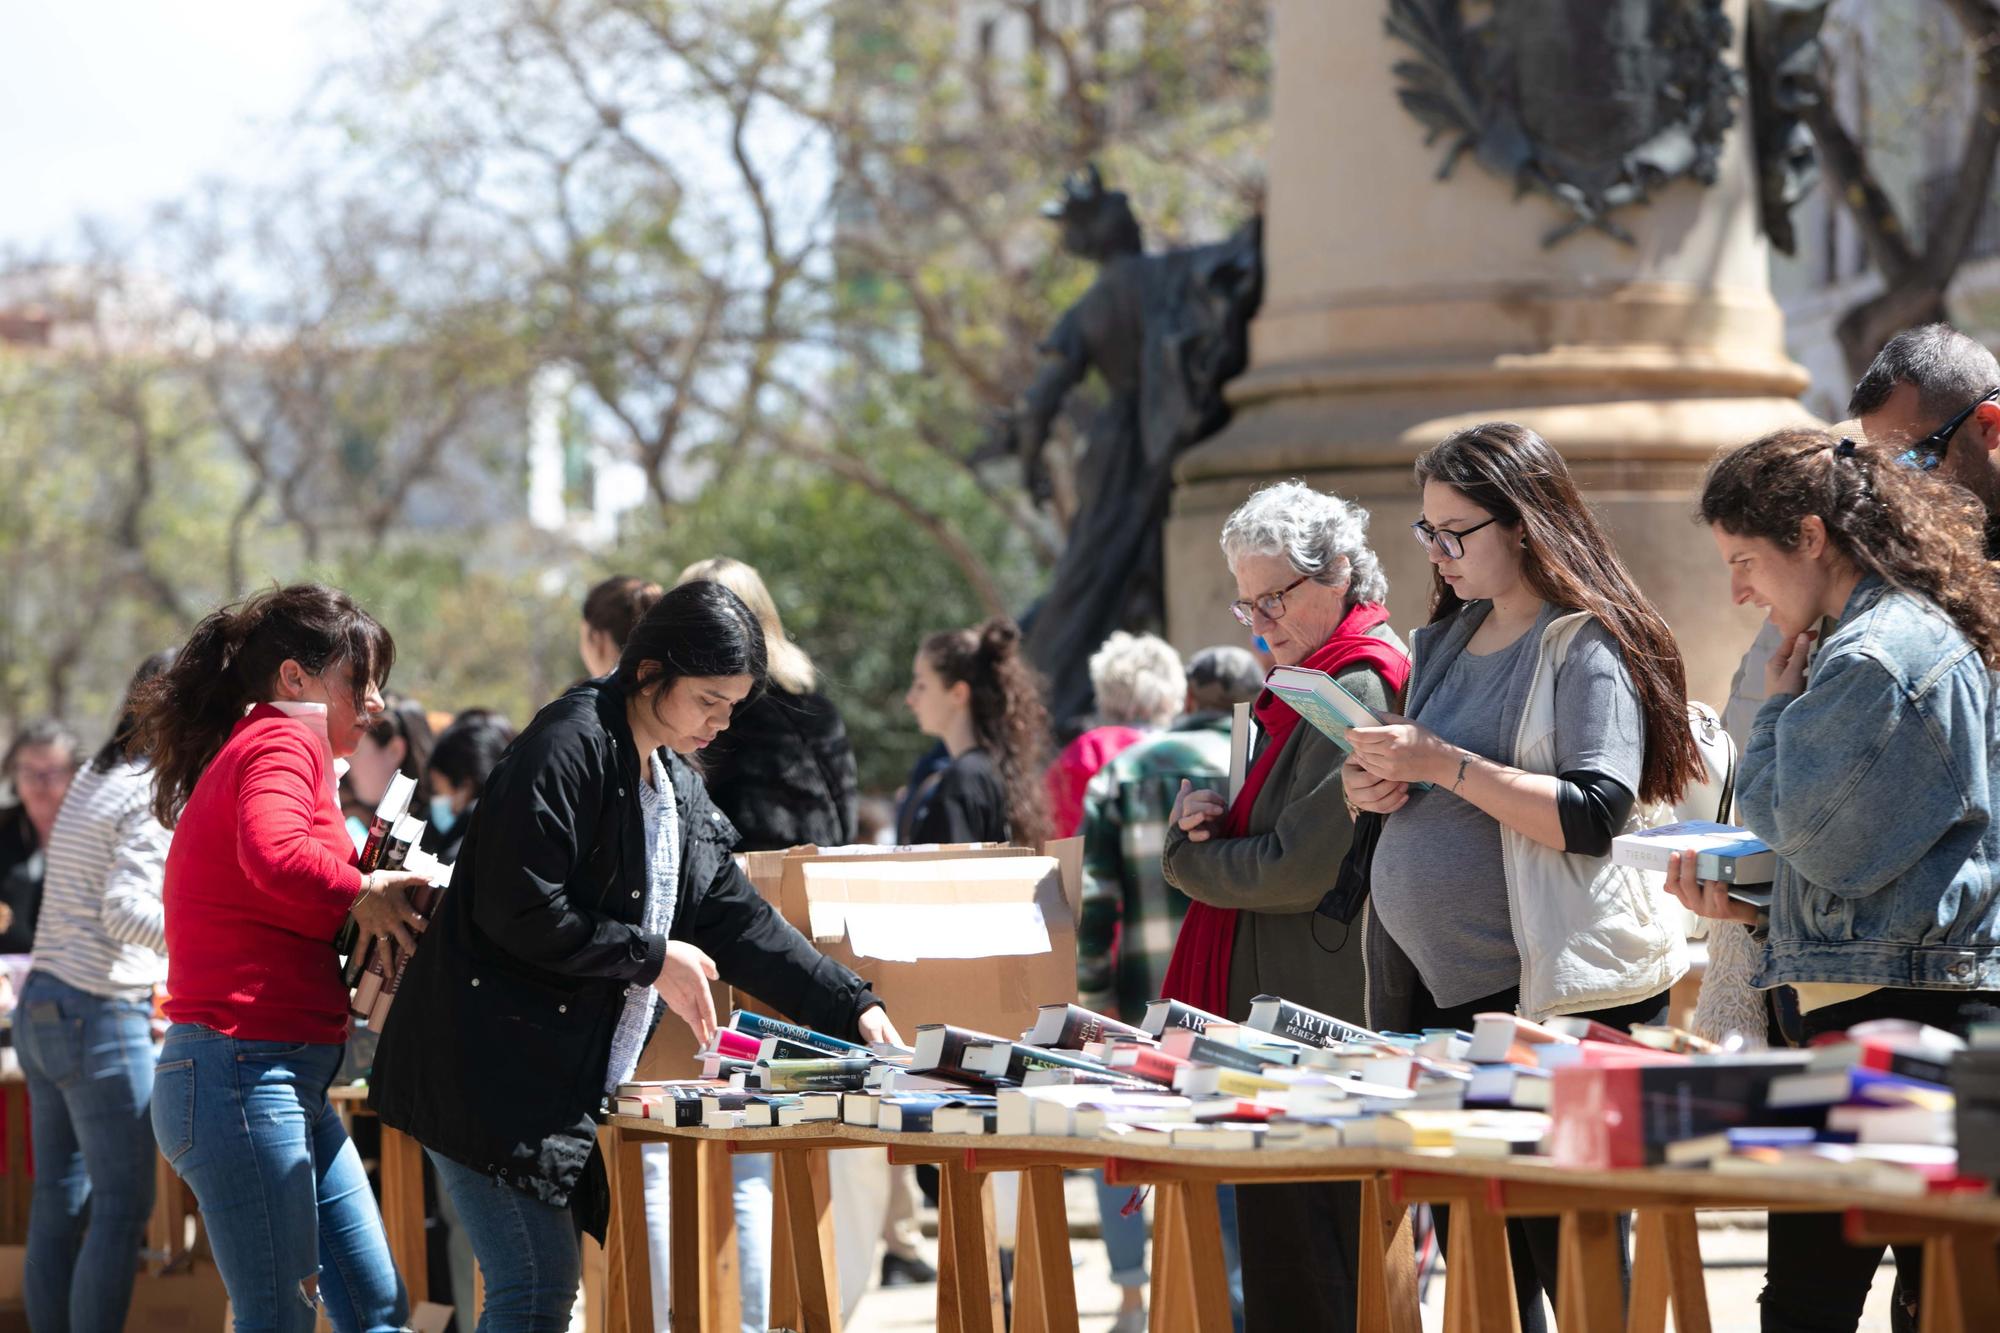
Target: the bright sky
pixel 108 106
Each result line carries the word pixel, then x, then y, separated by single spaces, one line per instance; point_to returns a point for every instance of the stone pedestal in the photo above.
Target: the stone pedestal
pixel 1399 308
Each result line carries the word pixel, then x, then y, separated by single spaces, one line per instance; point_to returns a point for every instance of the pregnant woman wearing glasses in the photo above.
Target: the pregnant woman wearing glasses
pixel 1546 701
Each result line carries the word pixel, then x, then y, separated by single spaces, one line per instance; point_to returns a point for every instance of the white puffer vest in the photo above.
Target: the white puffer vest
pixel 1592 935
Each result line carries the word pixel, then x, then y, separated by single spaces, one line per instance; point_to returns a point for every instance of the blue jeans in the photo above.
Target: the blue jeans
pixel 752 1173
pixel 529 1251
pixel 89 1068
pixel 1125 1239
pixel 283 1196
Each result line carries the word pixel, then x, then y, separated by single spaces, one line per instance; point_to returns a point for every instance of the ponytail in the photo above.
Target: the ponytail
pixel 1009 720
pixel 1912 529
pixel 186 713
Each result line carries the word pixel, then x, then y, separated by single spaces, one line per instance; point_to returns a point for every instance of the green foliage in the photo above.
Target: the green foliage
pixel 858 588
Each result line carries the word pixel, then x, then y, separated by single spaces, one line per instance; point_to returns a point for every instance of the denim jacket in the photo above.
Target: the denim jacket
pixel 1876 788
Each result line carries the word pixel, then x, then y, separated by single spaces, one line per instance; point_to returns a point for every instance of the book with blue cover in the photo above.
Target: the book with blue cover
pixel 1722 851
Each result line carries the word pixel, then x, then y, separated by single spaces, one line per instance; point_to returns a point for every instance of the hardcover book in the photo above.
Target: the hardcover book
pixel 1274 1013
pixel 1722 851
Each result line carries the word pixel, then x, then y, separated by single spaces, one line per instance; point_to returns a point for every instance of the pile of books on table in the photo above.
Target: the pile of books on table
pixel 1873 1108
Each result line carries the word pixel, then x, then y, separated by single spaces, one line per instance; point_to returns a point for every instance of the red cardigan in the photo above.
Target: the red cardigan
pixel 1070 775
pixel 259 878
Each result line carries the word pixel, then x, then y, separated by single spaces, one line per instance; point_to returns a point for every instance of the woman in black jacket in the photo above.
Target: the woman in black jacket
pixel 974 690
pixel 596 883
pixel 784 772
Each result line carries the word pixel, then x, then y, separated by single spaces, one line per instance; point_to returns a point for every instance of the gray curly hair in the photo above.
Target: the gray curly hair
pixel 1322 535
pixel 1138 679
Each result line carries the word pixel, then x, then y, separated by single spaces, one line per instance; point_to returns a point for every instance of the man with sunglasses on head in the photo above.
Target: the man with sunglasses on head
pixel 1932 397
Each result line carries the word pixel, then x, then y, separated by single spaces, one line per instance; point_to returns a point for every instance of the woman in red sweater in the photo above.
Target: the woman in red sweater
pixel 244 730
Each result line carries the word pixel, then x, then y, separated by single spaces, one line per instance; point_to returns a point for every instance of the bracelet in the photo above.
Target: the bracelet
pixel 1464 758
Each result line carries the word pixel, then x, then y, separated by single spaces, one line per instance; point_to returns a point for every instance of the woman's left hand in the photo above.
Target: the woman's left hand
pixel 1403 751
pixel 1704 897
pixel 877 1029
pixel 1785 672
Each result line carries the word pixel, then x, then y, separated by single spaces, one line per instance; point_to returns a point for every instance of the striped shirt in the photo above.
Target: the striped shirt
pixel 102 928
pixel 662 815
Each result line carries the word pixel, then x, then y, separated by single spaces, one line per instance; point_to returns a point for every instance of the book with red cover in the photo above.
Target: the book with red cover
pixel 1622 1114
pixel 1510 1039
pixel 1909 1049
pixel 1154 1066
pixel 1589 1029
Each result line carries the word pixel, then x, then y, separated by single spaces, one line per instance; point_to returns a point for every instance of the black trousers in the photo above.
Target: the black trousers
pixel 1814 1281
pixel 1300 1245
pixel 1533 1242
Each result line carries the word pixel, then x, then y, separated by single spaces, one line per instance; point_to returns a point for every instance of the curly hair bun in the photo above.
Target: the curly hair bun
pixel 999 639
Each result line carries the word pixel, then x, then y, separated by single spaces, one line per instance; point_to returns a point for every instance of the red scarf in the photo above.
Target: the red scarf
pixel 1198 973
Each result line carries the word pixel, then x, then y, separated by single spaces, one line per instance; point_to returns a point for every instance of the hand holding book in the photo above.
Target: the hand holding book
pixel 1366 791
pixel 383 910
pixel 1400 750
pixel 1705 897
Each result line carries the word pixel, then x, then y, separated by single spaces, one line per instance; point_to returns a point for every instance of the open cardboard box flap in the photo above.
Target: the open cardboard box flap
pixel 983 933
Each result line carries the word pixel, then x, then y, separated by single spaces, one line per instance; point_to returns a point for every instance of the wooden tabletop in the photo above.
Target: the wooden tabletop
pixel 1742 1191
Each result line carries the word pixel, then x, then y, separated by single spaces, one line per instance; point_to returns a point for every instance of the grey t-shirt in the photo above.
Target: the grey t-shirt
pixel 1437 883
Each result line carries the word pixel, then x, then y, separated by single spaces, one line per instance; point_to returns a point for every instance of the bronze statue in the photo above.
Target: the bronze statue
pixel 1164 332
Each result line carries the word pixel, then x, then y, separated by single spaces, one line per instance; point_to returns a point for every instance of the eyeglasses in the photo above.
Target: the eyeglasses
pixel 1927 454
pixel 48 779
pixel 1272 604
pixel 1444 539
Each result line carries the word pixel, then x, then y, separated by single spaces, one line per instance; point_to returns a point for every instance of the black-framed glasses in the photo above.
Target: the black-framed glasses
pixel 1927 454
pixel 1444 539
pixel 1272 604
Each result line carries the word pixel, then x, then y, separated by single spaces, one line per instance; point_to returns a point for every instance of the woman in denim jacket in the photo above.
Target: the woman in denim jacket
pixel 1871 775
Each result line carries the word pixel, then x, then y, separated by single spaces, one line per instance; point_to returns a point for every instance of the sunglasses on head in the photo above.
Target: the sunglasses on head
pixel 1927 454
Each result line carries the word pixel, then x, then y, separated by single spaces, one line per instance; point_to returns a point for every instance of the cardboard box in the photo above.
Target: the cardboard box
pixel 980 937
pixel 952 901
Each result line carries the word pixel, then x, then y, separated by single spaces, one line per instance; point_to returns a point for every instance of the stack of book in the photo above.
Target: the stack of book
pixel 1869 1108
pixel 1873 1107
pixel 1975 1086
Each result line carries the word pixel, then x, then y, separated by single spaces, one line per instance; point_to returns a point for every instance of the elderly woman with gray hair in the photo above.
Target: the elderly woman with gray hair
pixel 1309 584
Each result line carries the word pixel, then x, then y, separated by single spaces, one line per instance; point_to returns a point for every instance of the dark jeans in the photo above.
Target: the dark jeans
pixel 1814 1281
pixel 530 1252
pixel 1533 1242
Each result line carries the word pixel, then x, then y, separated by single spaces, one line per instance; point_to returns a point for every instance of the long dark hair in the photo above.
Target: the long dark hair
pixel 405 717
pixel 1913 530
pixel 467 750
pixel 617 604
pixel 230 661
pixel 123 745
pixel 1009 719
pixel 1568 559
pixel 696 629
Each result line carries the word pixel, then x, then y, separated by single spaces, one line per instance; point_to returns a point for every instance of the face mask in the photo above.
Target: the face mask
pixel 442 815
